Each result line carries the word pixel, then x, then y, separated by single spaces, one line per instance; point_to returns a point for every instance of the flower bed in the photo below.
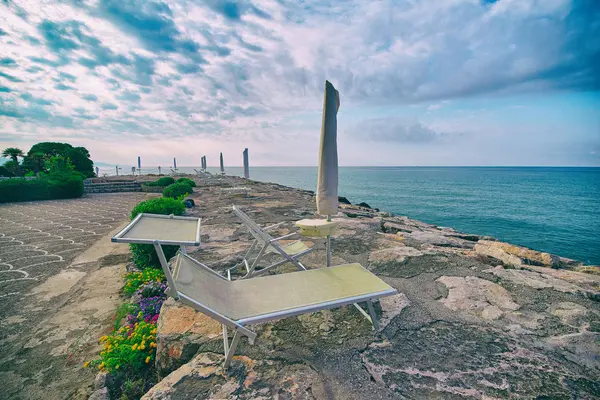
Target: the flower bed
pixel 128 353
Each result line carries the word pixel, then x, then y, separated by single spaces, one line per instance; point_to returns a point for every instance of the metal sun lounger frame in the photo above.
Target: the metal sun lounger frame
pixel 239 326
pixel 266 242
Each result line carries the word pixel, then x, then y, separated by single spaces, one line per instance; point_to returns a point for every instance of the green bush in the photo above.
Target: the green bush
pixel 187 180
pixel 144 255
pixel 177 190
pixel 60 185
pixel 159 205
pixel 164 181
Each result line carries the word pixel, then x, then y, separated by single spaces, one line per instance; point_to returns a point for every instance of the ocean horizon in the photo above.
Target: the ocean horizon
pixel 552 209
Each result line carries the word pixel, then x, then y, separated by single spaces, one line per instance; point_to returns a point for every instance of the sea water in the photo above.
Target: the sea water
pixel 549 209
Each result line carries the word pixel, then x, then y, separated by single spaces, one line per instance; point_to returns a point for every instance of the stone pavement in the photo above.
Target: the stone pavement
pixel 59 282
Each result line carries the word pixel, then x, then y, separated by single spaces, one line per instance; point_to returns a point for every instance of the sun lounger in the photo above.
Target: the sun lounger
pixel 236 304
pixel 264 243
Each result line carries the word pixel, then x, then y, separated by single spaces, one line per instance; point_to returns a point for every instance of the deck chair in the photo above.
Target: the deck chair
pixel 264 243
pixel 236 304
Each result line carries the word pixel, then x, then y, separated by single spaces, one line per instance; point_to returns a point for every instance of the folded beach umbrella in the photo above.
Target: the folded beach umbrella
pixel 221 162
pixel 327 179
pixel 246 165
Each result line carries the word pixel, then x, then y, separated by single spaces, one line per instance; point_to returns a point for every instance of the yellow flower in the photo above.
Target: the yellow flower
pixel 142 347
pixel 152 344
pixel 86 364
pixel 148 359
pixel 134 347
pixel 117 367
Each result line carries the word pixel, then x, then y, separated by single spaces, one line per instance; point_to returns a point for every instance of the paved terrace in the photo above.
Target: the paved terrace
pixel 59 283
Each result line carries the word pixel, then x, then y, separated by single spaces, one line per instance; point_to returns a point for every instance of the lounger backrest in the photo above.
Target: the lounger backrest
pixel 203 285
pixel 253 227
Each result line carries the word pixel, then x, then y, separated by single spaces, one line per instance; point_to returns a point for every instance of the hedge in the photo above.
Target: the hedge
pixel 177 190
pixel 54 186
pixel 164 181
pixel 187 180
pixel 144 255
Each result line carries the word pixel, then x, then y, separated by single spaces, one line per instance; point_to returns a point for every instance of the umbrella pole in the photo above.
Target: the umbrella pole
pixel 328 245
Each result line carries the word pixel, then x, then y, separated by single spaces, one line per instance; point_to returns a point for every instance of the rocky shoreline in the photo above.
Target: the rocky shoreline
pixel 474 317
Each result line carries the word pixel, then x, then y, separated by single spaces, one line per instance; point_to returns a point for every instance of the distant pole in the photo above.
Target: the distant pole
pixel 97 171
pixel 159 169
pixel 174 163
pixel 139 162
pixel 221 162
pixel 117 169
pixel 246 165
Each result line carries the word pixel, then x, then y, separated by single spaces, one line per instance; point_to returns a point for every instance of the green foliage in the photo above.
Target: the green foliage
pixel 164 181
pixel 122 311
pixel 187 180
pixel 13 153
pixel 177 190
pixel 11 168
pixel 4 171
pixel 144 255
pixel 78 156
pixel 58 185
pixel 159 205
pixel 135 280
pixel 129 349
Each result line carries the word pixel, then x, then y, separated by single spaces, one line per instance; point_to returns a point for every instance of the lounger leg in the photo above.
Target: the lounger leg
pixel 172 290
pixel 373 316
pixel 231 351
pixel 328 246
pixel 225 340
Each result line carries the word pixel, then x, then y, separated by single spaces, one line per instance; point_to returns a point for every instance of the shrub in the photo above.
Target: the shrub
pixel 187 180
pixel 144 255
pixel 164 181
pixel 129 349
pixel 60 185
pixel 135 280
pixel 159 205
pixel 177 190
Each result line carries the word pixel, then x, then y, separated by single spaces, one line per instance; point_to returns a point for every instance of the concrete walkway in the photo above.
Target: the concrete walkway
pixel 59 286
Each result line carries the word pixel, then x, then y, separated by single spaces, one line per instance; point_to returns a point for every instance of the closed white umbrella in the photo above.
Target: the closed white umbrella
pixel 221 161
pixel 246 165
pixel 327 180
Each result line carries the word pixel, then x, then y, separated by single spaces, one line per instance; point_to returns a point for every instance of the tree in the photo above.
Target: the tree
pixel 13 153
pixel 43 151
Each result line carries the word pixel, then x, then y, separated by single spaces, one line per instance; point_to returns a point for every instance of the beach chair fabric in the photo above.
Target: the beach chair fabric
pixel 265 243
pixel 250 301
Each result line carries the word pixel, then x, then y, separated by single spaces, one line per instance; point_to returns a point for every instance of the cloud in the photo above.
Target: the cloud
pixel 396 130
pixel 252 71
pixel 7 62
pixel 90 97
pixel 9 77
pixel 39 101
pixel 62 86
pixel 109 106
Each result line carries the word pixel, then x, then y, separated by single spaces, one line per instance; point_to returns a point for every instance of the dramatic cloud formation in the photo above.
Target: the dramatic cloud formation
pixel 184 78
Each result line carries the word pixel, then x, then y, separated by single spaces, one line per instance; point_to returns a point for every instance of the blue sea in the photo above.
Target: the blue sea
pixel 556 209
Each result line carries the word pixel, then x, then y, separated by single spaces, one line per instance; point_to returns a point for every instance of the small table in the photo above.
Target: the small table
pixel 318 228
pixel 157 230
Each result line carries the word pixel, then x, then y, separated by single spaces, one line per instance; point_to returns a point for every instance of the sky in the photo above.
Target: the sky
pixel 439 82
